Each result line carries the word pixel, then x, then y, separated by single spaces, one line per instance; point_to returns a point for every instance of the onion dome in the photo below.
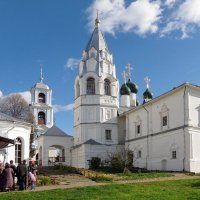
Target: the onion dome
pixel 133 87
pixel 147 94
pixel 125 90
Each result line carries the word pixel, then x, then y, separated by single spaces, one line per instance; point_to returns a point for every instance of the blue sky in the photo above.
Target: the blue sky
pixel 160 39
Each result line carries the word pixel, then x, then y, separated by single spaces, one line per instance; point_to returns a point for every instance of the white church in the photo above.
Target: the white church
pixel 163 132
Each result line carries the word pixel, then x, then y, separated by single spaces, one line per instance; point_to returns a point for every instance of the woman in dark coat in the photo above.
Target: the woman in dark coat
pixel 7 178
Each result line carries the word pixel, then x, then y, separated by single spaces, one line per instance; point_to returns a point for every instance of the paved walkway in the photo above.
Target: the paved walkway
pixel 75 180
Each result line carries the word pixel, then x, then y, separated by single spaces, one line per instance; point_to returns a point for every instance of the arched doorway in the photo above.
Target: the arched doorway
pixel 18 150
pixel 41 118
pixel 56 154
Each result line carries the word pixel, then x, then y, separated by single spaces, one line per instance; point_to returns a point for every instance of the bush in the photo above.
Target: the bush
pixel 96 176
pixel 122 160
pixel 94 163
pixel 43 180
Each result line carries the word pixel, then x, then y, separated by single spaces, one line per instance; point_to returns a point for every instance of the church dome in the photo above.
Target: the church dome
pixel 125 90
pixel 147 94
pixel 41 85
pixel 133 87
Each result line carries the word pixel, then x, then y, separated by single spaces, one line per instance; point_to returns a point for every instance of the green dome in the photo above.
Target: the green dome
pixel 125 90
pixel 147 94
pixel 133 87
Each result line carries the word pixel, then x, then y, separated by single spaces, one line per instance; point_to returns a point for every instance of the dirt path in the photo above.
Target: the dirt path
pixel 75 180
pixel 69 181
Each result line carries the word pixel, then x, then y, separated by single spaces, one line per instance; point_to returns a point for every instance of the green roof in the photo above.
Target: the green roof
pixel 125 90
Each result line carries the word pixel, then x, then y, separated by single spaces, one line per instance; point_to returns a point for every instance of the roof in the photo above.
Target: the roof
pixel 41 85
pixel 125 90
pixel 4 142
pixel 96 40
pixel 55 131
pixel 91 141
pixel 175 89
pixel 4 117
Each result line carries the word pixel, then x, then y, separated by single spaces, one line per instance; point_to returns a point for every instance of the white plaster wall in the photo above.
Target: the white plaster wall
pixel 83 153
pixel 158 145
pixel 13 131
pixel 48 141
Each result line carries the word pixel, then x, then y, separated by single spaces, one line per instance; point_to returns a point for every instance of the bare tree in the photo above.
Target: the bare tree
pixel 123 159
pixel 16 106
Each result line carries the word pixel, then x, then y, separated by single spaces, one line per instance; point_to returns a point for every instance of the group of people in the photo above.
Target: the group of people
pixel 26 176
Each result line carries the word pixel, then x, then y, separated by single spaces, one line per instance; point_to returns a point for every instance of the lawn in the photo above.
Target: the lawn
pixel 164 190
pixel 142 175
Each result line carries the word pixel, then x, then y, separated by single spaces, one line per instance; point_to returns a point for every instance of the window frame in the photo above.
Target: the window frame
pixel 107 89
pixel 90 86
pixel 108 135
pixel 174 154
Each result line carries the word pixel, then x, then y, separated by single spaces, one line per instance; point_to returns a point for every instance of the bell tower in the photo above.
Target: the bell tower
pixel 96 94
pixel 41 96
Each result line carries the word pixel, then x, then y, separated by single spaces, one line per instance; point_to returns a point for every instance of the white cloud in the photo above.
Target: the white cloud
pixel 26 95
pixel 60 108
pixel 72 63
pixel 1 94
pixel 140 16
pixel 170 3
pixel 185 19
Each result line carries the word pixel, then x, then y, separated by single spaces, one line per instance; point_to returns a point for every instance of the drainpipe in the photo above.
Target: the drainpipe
pixel 184 118
pixel 147 136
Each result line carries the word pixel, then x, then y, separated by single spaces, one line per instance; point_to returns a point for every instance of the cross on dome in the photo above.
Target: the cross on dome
pixel 97 20
pixel 124 74
pixel 129 69
pixel 41 74
pixel 147 80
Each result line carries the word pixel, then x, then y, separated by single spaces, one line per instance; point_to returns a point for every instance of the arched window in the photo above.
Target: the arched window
pixel 107 87
pixel 41 98
pixel 90 86
pixel 41 118
pixel 18 150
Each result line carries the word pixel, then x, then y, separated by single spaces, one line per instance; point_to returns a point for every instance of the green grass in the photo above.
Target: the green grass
pixel 164 190
pixel 142 175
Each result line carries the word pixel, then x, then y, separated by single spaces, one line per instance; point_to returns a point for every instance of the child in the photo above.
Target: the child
pixel 32 179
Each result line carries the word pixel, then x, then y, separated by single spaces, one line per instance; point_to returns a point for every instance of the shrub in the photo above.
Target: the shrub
pixel 122 160
pixel 94 163
pixel 43 180
pixel 96 176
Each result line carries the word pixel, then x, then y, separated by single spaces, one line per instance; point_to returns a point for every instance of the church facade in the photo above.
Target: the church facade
pixel 163 132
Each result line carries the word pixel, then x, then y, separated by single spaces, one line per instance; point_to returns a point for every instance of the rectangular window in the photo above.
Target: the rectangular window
pixel 164 121
pixel 138 129
pixel 108 134
pixel 173 154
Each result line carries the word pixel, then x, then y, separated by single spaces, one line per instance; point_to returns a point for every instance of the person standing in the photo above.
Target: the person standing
pixel 22 172
pixel 15 171
pixel 7 178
